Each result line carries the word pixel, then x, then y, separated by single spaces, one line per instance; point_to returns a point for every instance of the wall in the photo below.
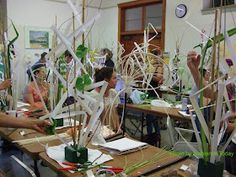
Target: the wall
pixel 105 31
pixel 39 14
pixel 178 28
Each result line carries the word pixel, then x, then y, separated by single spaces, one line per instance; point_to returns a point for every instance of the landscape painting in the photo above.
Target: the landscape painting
pixel 39 39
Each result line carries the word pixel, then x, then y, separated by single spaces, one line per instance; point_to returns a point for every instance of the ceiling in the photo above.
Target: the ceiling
pixel 96 3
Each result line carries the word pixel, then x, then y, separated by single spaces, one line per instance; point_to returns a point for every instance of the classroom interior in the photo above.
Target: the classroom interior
pixel 128 88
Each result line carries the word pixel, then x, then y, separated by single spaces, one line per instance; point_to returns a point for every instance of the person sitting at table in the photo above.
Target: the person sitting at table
pixel 69 61
pixel 206 100
pixel 42 59
pixel 108 74
pixel 31 94
pixel 193 62
pixel 109 54
pixel 151 120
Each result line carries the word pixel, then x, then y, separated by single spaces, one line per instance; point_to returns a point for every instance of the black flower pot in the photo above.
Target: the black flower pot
pixel 76 154
pixel 207 169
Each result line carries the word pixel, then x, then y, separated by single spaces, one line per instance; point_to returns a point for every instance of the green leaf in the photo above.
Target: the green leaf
pixel 81 51
pixel 50 130
pixel 87 80
pixel 79 84
pixel 219 37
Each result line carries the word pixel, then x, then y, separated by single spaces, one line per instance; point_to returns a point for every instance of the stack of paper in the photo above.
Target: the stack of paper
pixel 124 145
pixel 57 153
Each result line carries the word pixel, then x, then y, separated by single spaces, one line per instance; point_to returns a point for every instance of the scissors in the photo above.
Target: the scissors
pixel 71 166
pixel 75 166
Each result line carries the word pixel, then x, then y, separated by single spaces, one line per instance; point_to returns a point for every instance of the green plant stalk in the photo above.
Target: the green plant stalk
pixel 219 38
pixel 8 62
pixel 144 163
pixel 203 136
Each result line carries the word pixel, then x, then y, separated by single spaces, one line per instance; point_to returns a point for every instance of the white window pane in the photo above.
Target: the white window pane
pixel 154 15
pixel 134 13
pixel 133 19
pixel 132 25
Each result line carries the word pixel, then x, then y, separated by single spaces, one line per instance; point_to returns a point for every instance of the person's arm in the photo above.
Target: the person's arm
pixel 5 84
pixel 35 124
pixel 193 61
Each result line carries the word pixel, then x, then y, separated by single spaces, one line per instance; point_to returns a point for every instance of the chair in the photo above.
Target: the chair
pixel 176 143
pixel 20 169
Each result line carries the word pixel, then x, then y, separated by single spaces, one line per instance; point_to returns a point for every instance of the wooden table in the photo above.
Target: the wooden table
pixel 154 110
pixel 32 149
pixel 126 161
pixel 159 111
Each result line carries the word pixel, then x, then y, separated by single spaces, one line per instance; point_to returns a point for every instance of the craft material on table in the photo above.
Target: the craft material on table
pixel 124 145
pixel 95 157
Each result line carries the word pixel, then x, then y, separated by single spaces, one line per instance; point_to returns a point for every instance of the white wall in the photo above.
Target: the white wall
pixel 176 28
pixel 105 31
pixel 38 14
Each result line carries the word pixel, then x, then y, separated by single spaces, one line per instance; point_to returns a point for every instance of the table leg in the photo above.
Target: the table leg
pixel 124 130
pixel 142 126
pixel 36 170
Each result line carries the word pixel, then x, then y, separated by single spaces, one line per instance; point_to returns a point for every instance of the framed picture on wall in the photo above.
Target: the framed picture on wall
pixel 38 38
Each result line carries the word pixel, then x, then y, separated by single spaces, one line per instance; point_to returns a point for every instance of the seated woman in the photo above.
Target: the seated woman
pixel 108 74
pixel 30 94
pixel 109 54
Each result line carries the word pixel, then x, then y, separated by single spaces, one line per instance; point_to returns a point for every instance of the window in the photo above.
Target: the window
pixel 217 3
pixel 133 19
pixel 154 15
pixel 135 16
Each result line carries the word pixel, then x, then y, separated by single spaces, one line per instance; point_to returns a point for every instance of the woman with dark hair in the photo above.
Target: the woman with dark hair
pixel 30 94
pixel 109 55
pixel 108 74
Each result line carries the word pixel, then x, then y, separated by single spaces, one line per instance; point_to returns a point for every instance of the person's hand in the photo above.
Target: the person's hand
pixel 5 84
pixel 193 60
pixel 39 125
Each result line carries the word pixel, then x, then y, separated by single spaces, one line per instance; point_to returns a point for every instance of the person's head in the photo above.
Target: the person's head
pixel 156 51
pixel 107 52
pixel 68 56
pixel 107 74
pixel 206 74
pixel 39 71
pixel 42 57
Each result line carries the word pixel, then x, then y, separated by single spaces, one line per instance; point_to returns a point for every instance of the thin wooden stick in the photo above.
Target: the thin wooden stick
pixel 213 73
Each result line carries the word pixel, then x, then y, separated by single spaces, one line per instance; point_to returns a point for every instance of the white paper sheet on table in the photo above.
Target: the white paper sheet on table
pixel 183 113
pixel 124 144
pixel 57 153
pixel 67 123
